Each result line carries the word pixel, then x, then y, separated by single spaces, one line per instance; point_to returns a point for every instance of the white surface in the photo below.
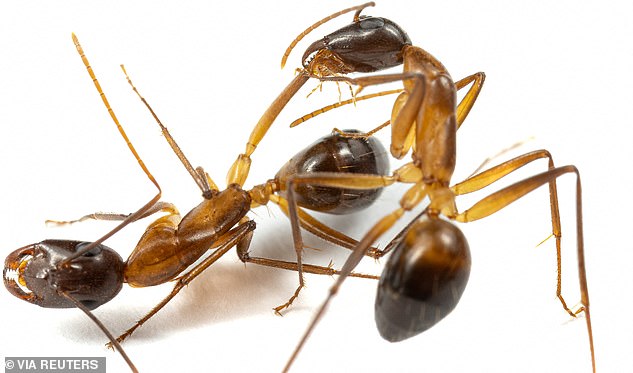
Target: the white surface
pixel 559 73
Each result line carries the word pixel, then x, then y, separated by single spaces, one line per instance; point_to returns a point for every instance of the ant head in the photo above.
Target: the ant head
pixel 423 279
pixel 367 45
pixel 36 273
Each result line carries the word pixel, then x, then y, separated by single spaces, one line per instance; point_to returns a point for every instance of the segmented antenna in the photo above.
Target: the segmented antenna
pixel 357 8
pixel 103 329
pixel 137 214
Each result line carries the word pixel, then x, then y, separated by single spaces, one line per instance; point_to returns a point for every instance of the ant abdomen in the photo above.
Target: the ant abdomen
pixel 336 154
pixel 35 273
pixel 423 279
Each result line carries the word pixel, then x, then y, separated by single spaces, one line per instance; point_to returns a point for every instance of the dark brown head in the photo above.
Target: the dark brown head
pixel 368 45
pixel 36 274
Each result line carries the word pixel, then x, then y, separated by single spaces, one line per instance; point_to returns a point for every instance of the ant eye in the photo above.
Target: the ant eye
pixel 93 252
pixel 371 23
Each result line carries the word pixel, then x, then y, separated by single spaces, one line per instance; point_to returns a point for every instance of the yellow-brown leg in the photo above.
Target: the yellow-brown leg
pixel 307 268
pixel 488 177
pixel 502 198
pixel 240 168
pixel 108 216
pixel 411 199
pixel 317 228
pixel 407 105
pixel 471 96
pixel 228 240
pixel 352 181
pixel 463 108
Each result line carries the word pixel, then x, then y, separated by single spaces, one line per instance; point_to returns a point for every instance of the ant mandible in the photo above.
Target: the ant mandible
pixel 430 264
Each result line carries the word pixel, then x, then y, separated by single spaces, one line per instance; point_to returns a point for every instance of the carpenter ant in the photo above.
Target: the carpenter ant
pixel 428 270
pixel 66 274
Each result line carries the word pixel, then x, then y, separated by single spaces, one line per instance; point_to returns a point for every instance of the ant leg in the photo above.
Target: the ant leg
pixel 240 168
pixel 463 108
pixel 498 200
pixel 411 199
pixel 244 255
pixel 405 110
pixel 307 268
pixel 317 228
pixel 107 216
pixel 488 177
pixel 471 96
pixel 400 236
pixel 407 106
pixel 297 240
pixel 355 181
pixel 408 103
pixel 226 242
pixel 371 252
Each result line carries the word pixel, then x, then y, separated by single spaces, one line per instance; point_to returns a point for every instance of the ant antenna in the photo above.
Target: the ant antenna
pixel 199 176
pixel 137 214
pixel 357 8
pixel 335 105
pixel 103 329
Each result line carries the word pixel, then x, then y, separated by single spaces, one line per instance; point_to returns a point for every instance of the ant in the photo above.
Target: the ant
pixel 67 273
pixel 369 44
pixel 430 262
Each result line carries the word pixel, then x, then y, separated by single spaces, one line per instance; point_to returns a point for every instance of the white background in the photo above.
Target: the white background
pixel 558 73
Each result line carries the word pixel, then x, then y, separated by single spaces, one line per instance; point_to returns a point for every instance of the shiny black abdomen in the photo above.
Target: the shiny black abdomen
pixel 423 279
